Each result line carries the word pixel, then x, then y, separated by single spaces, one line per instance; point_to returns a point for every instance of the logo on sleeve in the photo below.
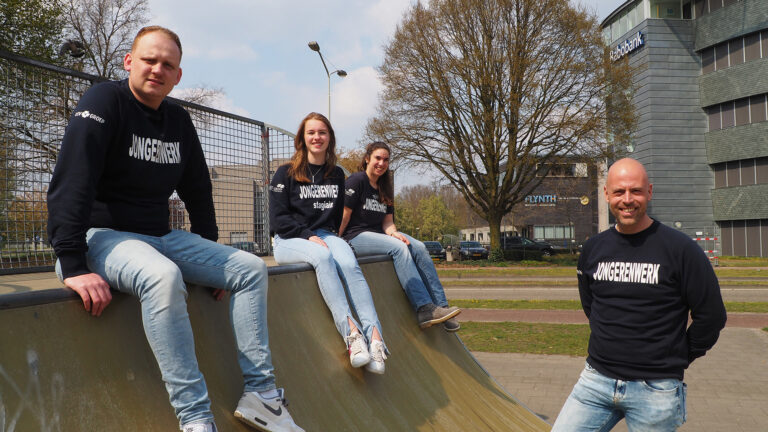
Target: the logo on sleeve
pixel 349 192
pixel 278 188
pixel 89 115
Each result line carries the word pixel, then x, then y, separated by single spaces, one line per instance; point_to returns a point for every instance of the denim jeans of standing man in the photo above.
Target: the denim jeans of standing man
pixel 155 269
pixel 332 265
pixel 597 403
pixel 413 265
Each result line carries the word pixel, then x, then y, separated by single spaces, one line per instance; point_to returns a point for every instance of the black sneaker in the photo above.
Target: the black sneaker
pixel 431 314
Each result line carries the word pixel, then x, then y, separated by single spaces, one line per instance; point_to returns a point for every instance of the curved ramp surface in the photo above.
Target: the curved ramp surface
pixel 63 370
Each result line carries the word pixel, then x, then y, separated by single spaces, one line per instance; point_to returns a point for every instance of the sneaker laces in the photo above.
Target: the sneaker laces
pixel 377 351
pixel 355 343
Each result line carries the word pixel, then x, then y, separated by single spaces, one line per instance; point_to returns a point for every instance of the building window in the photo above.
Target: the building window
pixel 761 170
pixel 737 113
pixel 733 52
pixel 736 52
pixel 752 47
pixel 720 178
pixel 553 232
pixel 733 173
pixel 757 105
pixel 699 8
pixel 665 9
pixel 708 60
pixel 726 114
pixel 742 111
pixel 748 172
pixel 721 56
pixel 562 170
pixel 764 41
pixel 713 114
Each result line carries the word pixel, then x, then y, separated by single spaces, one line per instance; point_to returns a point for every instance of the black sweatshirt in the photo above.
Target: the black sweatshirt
pixel 368 211
pixel 297 209
pixel 637 291
pixel 119 163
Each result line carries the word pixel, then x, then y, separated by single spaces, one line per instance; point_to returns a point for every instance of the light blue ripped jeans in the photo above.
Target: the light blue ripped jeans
pixel 598 402
pixel 413 265
pixel 332 265
pixel 154 269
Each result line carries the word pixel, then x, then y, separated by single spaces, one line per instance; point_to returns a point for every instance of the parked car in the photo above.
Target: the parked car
pixel 436 250
pixel 472 250
pixel 244 246
pixel 525 244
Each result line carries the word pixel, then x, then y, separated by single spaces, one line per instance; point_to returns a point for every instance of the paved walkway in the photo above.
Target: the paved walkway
pixel 726 388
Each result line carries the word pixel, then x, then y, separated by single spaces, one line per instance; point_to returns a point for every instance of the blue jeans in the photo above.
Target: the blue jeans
pixel 329 264
pixel 413 266
pixel 598 402
pixel 154 270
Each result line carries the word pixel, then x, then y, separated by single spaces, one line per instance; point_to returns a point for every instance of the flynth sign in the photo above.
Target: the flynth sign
pixel 626 47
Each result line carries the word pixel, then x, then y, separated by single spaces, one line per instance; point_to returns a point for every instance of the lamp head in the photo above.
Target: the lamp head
pixel 314 46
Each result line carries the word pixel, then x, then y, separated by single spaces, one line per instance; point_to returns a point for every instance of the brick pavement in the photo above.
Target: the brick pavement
pixel 726 388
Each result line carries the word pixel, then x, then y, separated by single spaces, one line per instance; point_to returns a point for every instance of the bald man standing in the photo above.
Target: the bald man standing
pixel 638 281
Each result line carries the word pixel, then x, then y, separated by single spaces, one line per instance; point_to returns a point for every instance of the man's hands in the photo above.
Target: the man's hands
pixel 93 290
pixel 400 237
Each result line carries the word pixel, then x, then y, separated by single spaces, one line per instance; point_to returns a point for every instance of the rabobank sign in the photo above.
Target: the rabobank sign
pixel 626 47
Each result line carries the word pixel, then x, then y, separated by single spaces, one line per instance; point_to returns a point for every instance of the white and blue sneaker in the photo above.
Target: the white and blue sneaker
pixel 269 415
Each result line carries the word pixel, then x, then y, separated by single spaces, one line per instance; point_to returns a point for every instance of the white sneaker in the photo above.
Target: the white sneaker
pixel 199 427
pixel 270 415
pixel 358 352
pixel 376 365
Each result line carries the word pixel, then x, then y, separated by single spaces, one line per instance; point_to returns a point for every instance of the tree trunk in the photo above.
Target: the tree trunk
pixel 494 224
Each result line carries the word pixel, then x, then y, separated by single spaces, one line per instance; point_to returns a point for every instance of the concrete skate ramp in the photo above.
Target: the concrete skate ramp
pixel 63 370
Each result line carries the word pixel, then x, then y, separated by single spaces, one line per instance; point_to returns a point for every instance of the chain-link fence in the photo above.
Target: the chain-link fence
pixel 37 100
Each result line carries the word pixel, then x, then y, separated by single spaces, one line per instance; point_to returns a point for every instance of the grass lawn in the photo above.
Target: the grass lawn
pixel 532 338
pixel 753 307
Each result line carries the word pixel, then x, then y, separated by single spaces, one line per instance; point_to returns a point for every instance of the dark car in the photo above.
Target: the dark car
pixel 525 244
pixel 472 250
pixel 435 249
pixel 245 246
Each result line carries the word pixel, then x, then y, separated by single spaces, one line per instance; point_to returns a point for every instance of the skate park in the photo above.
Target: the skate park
pixel 53 350
pixel 63 370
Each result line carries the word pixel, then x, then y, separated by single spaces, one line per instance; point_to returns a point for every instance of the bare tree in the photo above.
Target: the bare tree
pixel 491 92
pixel 107 29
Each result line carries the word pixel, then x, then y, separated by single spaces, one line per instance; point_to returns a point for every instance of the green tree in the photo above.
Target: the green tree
pixel 421 212
pixel 436 218
pixel 492 92
pixel 31 28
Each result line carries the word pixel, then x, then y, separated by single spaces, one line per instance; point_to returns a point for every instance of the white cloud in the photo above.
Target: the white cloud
pixel 218 101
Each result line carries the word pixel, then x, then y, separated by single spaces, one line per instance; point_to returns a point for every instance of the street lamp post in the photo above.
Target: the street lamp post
pixel 314 46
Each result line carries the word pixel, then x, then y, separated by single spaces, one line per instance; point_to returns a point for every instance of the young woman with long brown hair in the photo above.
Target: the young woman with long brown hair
pixel 306 202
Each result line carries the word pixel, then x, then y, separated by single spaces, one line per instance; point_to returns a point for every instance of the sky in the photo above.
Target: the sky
pixel 256 52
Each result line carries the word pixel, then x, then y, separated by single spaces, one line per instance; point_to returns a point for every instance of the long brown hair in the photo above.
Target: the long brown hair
pixel 299 161
pixel 386 188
